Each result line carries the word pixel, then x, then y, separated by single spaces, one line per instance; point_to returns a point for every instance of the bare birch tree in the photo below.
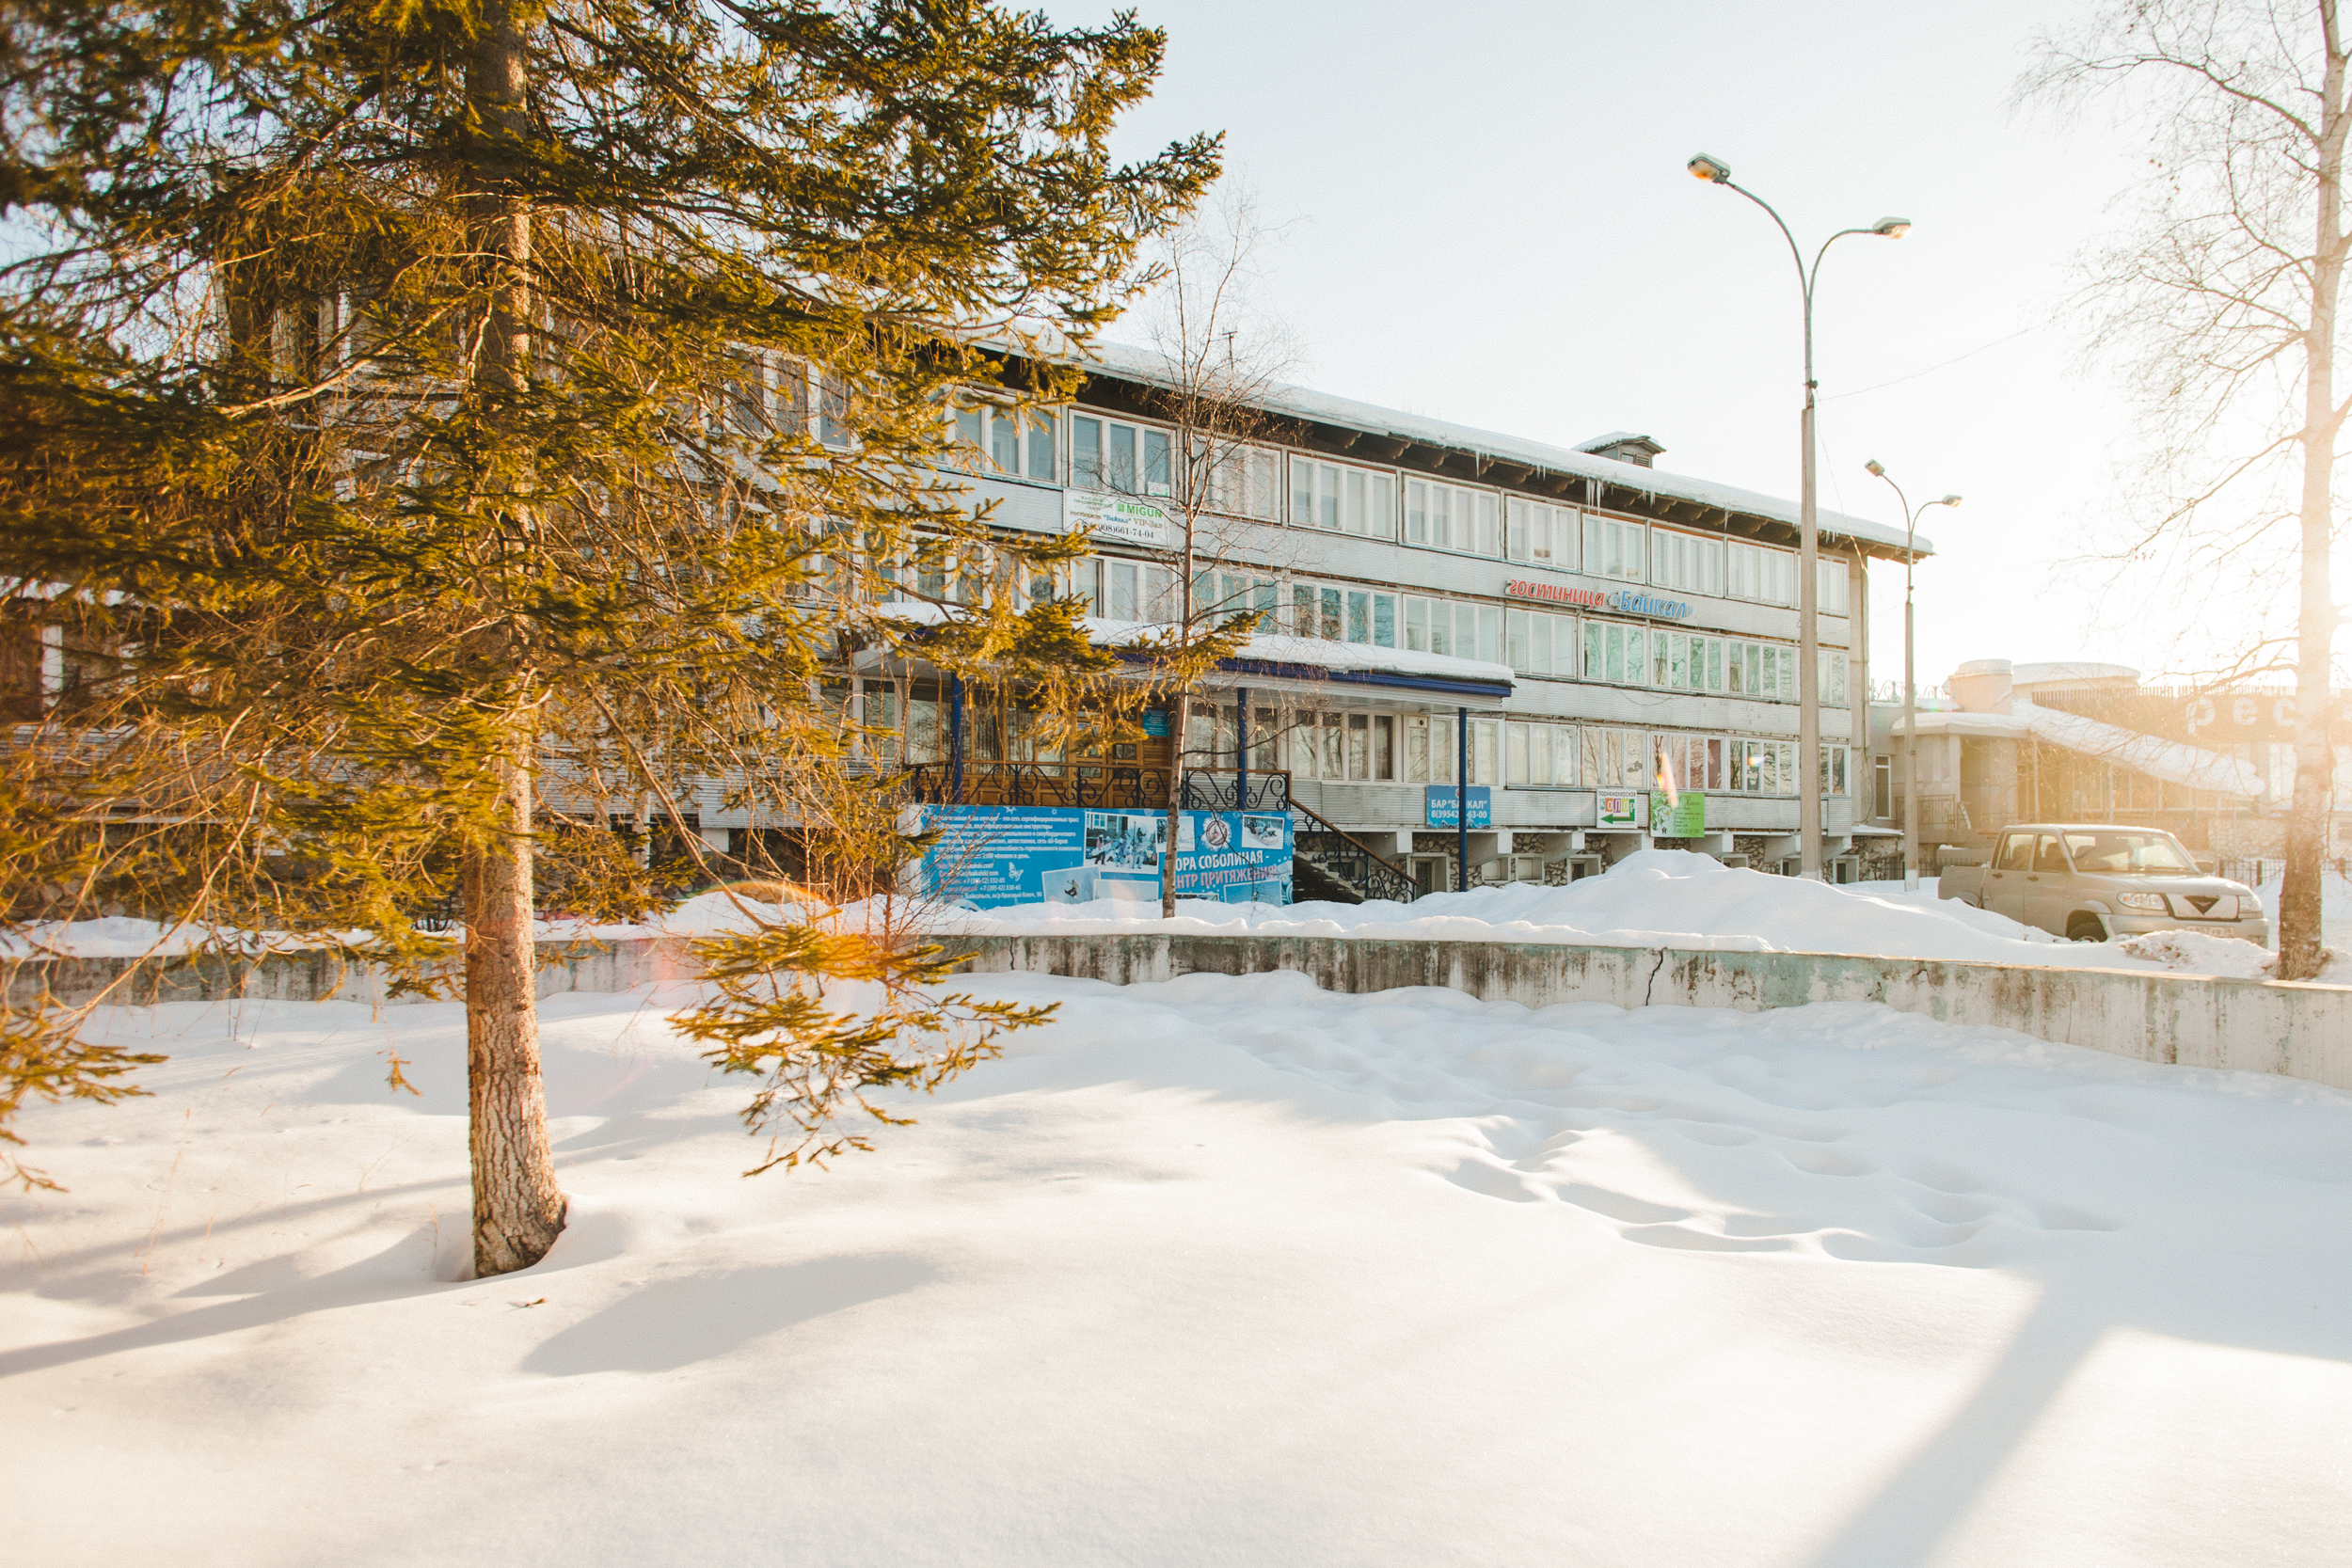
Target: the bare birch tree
pixel 2224 296
pixel 1221 358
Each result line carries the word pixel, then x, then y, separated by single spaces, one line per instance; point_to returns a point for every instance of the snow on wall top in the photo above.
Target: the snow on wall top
pixel 2174 761
pixel 1147 365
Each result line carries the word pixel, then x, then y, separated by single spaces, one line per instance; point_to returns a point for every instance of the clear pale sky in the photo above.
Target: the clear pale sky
pixel 1494 226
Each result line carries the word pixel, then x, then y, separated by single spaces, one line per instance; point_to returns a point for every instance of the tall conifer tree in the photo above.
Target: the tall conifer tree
pixel 409 411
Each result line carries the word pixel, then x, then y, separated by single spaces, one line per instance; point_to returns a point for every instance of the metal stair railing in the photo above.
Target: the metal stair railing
pixel 1222 789
pixel 1352 862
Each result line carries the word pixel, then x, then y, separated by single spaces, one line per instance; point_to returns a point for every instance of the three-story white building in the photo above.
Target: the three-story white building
pixel 1576 626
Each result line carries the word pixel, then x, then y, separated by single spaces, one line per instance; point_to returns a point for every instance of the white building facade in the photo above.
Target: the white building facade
pixel 1584 631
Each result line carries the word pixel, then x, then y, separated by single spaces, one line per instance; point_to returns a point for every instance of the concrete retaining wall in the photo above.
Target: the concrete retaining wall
pixel 2301 1031
pixel 313 975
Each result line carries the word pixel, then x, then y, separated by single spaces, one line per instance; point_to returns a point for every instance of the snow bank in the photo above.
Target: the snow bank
pixel 1225 1270
pixel 2202 953
pixel 124 937
pixel 1655 897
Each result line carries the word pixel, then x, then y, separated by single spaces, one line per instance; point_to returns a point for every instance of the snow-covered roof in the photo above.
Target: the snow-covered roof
pixel 1148 366
pixel 1311 652
pixel 1363 657
pixel 2174 761
pixel 2077 673
pixel 1981 726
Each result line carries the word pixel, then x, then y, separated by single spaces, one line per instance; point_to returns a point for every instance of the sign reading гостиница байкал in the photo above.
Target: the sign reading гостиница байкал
pixel 1625 601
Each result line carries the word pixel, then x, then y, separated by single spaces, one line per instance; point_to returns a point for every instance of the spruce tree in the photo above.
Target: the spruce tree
pixel 438 422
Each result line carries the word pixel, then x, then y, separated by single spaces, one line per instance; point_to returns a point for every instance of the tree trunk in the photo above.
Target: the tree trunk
pixel 1183 723
pixel 1175 805
pixel 2311 810
pixel 517 1209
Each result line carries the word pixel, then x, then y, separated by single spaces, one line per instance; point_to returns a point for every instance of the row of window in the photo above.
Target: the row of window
pixel 1530 642
pixel 1132 458
pixel 1365 747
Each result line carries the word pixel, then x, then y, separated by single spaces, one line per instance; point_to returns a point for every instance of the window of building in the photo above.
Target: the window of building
pixel 1614 759
pixel 1883 786
pixel 1540 534
pixel 1539 756
pixel 1246 482
pixel 1833 691
pixel 1429 748
pixel 1344 613
pixel 1761 767
pixel 1761 572
pixel 1615 548
pixel 1440 627
pixel 1485 749
pixel 1450 518
pixel 1001 440
pixel 1118 589
pixel 1316 610
pixel 1662 656
pixel 1238 592
pixel 1343 747
pixel 1490 634
pixel 1834 765
pixel 1835 595
pixel 1692 761
pixel 1114 456
pixel 1691 562
pixel 1342 499
pixel 743 396
pixel 832 411
pixel 1615 653
pixel 1537 643
pixel 1767 670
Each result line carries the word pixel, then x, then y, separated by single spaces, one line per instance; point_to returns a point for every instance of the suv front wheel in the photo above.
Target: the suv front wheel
pixel 2086 927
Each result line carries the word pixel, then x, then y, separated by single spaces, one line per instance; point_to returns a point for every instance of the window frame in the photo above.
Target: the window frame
pixel 1484 524
pixel 1361 500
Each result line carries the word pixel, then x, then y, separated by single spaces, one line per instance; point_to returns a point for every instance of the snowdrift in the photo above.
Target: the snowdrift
pixel 1652 898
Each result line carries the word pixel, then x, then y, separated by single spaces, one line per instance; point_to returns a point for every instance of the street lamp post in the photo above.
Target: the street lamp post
pixel 1808 572
pixel 1910 697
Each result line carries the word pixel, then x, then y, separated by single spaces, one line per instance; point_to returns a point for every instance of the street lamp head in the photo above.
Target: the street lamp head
pixel 1894 229
pixel 1949 500
pixel 1876 470
pixel 1705 167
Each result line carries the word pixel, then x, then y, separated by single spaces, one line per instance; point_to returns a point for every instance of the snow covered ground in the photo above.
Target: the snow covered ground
pixel 1225 1270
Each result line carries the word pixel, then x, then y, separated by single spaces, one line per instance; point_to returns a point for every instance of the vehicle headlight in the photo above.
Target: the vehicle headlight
pixel 2154 901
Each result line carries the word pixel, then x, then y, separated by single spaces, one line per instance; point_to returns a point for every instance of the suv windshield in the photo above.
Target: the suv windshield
pixel 2130 854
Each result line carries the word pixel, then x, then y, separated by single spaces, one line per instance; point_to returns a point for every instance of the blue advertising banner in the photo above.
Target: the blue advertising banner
pixel 989 857
pixel 1439 803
